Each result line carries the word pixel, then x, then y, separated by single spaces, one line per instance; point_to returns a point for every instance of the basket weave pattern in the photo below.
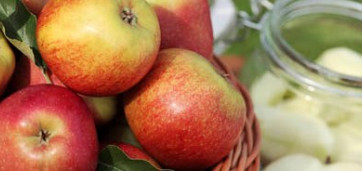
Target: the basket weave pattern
pixel 245 156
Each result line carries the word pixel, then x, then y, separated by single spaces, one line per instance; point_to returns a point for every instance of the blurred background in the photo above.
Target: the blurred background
pixel 233 44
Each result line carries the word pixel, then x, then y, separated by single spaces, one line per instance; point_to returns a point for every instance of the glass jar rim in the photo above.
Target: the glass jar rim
pixel 273 42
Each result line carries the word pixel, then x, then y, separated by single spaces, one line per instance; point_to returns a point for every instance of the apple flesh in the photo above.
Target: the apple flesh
pixel 27 73
pixel 98 47
pixel 302 162
pixel 286 133
pixel 342 60
pixel 7 63
pixel 184 113
pixel 47 127
pixel 295 162
pixel 185 24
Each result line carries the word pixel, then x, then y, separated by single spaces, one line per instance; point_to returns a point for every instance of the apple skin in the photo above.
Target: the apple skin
pixel 70 141
pixel 7 63
pixel 185 24
pixel 91 46
pixel 103 108
pixel 35 6
pixel 27 73
pixel 184 113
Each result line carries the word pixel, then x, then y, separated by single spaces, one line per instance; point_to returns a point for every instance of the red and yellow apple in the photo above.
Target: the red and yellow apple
pixel 184 113
pixel 98 47
pixel 7 62
pixel 27 73
pixel 47 127
pixel 185 24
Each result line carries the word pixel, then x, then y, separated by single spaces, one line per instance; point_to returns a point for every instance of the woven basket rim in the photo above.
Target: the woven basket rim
pixel 245 156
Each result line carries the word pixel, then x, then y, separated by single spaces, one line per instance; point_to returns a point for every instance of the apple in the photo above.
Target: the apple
pixel 185 24
pixel 27 73
pixel 302 162
pixel 47 127
pixel 345 166
pixel 7 62
pixel 184 113
pixel 296 162
pixel 287 133
pixel 98 47
pixel 342 60
pixel 349 139
pixel 273 95
pixel 35 6
pixel 103 108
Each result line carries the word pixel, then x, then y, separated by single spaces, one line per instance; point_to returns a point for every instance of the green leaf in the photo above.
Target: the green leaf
pixel 18 26
pixel 112 158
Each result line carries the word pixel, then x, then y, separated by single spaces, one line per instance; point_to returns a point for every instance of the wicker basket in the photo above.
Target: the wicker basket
pixel 245 156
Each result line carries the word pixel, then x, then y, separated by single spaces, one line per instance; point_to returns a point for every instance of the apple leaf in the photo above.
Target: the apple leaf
pixel 18 26
pixel 112 158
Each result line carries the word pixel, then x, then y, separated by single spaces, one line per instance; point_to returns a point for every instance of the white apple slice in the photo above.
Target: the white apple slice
pixel 268 90
pixel 296 162
pixel 302 105
pixel 342 60
pixel 346 61
pixel 303 162
pixel 343 166
pixel 349 141
pixel 288 133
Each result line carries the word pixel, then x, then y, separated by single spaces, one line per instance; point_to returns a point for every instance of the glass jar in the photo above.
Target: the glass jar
pixel 306 80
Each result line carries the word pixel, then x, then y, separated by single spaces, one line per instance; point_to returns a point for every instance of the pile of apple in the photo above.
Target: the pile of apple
pixel 148 61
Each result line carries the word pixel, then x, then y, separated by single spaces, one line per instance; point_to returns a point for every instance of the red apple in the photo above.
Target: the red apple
pixel 185 24
pixel 35 6
pixel 98 47
pixel 47 127
pixel 27 73
pixel 184 113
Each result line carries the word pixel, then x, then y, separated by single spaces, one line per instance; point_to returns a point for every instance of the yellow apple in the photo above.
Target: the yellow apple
pixel 98 47
pixel 7 62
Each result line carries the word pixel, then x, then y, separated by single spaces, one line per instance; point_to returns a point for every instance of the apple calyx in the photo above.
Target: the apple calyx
pixel 128 16
pixel 44 136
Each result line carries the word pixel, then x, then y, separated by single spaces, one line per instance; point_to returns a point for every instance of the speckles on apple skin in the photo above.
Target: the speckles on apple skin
pixel 185 24
pixel 184 113
pixel 91 50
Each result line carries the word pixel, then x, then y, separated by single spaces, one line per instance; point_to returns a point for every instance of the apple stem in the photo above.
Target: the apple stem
pixel 128 16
